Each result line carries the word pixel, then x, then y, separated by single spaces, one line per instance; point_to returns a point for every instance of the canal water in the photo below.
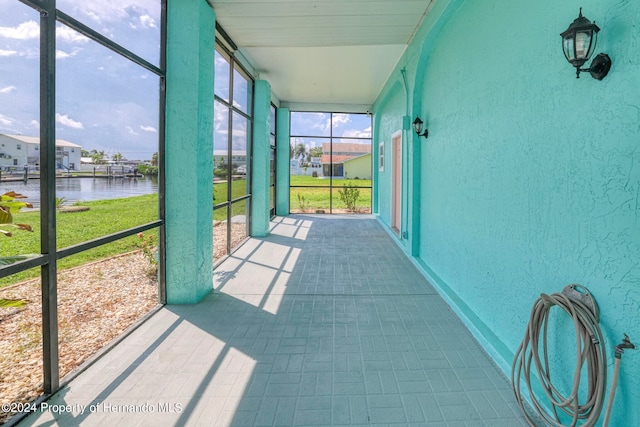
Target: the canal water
pixel 84 189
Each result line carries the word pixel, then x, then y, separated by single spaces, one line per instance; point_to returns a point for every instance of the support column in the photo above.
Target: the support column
pixel 189 151
pixel 261 159
pixel 283 162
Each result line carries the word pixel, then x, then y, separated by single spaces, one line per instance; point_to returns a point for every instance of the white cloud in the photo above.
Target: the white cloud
pixel 357 133
pixel 25 31
pixel 147 21
pixel 339 119
pixel 31 53
pixel 93 16
pixel 7 89
pixel 61 54
pixel 5 120
pixel 35 124
pixel 7 52
pixel 148 129
pixel 66 121
pixel 131 131
pixel 69 35
pixel 138 13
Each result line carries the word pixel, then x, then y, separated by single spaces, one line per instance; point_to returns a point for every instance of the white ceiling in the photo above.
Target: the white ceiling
pixel 322 51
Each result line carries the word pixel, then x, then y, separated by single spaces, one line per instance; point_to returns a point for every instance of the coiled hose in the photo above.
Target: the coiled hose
pixel 590 350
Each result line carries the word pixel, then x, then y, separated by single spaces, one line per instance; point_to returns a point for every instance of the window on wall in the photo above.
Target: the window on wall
pixel 233 91
pixel 330 163
pixel 92 168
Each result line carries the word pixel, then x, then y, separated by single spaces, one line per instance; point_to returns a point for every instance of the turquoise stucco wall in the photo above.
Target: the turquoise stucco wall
pixel 530 178
pixel 387 122
pixel 189 148
pixel 261 159
pixel 282 162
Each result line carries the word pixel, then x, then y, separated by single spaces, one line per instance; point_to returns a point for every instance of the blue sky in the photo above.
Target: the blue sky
pixel 103 101
pixel 302 123
pixel 318 127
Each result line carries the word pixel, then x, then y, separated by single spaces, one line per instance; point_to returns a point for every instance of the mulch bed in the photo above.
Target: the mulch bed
pixel 96 303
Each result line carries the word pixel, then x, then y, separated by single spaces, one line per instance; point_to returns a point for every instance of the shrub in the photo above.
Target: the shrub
pixel 60 202
pixel 9 206
pixel 349 195
pixel 303 203
pixel 149 249
pixel 147 170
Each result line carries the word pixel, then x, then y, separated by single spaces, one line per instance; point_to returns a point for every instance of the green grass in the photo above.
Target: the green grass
pixel 310 181
pixel 109 216
pixel 319 198
pixel 238 189
pixel 103 217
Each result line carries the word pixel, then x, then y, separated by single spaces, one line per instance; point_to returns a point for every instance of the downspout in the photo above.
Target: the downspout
pixel 405 125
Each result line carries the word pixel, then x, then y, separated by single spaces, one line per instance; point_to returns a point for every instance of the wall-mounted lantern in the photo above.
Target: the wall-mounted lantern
pixel 417 127
pixel 578 43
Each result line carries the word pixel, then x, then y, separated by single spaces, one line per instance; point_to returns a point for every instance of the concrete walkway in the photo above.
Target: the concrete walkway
pixel 324 322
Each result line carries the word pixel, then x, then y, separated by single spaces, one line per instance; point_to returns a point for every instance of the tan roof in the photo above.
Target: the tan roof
pixel 36 140
pixel 346 146
pixel 340 159
pixel 343 151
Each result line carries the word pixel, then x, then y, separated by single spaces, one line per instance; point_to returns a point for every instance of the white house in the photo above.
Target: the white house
pixel 18 151
pixel 238 158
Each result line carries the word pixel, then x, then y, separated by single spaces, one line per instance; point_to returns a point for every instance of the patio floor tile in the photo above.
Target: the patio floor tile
pixel 323 322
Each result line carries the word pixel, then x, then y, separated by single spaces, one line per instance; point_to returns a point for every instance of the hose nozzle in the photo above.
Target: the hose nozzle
pixel 625 344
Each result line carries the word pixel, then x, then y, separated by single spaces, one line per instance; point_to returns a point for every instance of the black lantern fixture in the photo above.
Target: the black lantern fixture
pixel 417 126
pixel 578 43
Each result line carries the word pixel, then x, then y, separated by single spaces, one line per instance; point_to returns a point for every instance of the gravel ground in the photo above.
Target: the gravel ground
pixel 238 234
pixel 97 302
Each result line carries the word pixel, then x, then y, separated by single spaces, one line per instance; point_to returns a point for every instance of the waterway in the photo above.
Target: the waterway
pixel 84 189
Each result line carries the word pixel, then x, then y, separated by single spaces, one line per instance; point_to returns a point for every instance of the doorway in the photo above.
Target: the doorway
pixel 396 185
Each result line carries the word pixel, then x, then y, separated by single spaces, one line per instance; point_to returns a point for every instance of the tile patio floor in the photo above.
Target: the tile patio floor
pixel 324 322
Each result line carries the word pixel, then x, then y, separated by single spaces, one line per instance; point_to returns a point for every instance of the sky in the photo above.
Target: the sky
pixel 314 129
pixel 317 124
pixel 103 101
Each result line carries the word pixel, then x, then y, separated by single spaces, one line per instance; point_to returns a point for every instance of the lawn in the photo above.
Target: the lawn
pixel 238 189
pixel 103 217
pixel 309 181
pixel 310 199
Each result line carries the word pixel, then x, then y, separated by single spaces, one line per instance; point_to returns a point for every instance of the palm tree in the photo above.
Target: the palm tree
pixel 117 157
pixel 315 152
pixel 98 157
pixel 300 152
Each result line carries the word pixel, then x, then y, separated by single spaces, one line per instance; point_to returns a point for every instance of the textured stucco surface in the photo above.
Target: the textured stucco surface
pixel 189 148
pixel 260 181
pixel 388 122
pixel 282 161
pixel 530 178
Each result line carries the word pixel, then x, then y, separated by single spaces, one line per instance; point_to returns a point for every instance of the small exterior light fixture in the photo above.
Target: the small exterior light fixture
pixel 579 42
pixel 417 126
